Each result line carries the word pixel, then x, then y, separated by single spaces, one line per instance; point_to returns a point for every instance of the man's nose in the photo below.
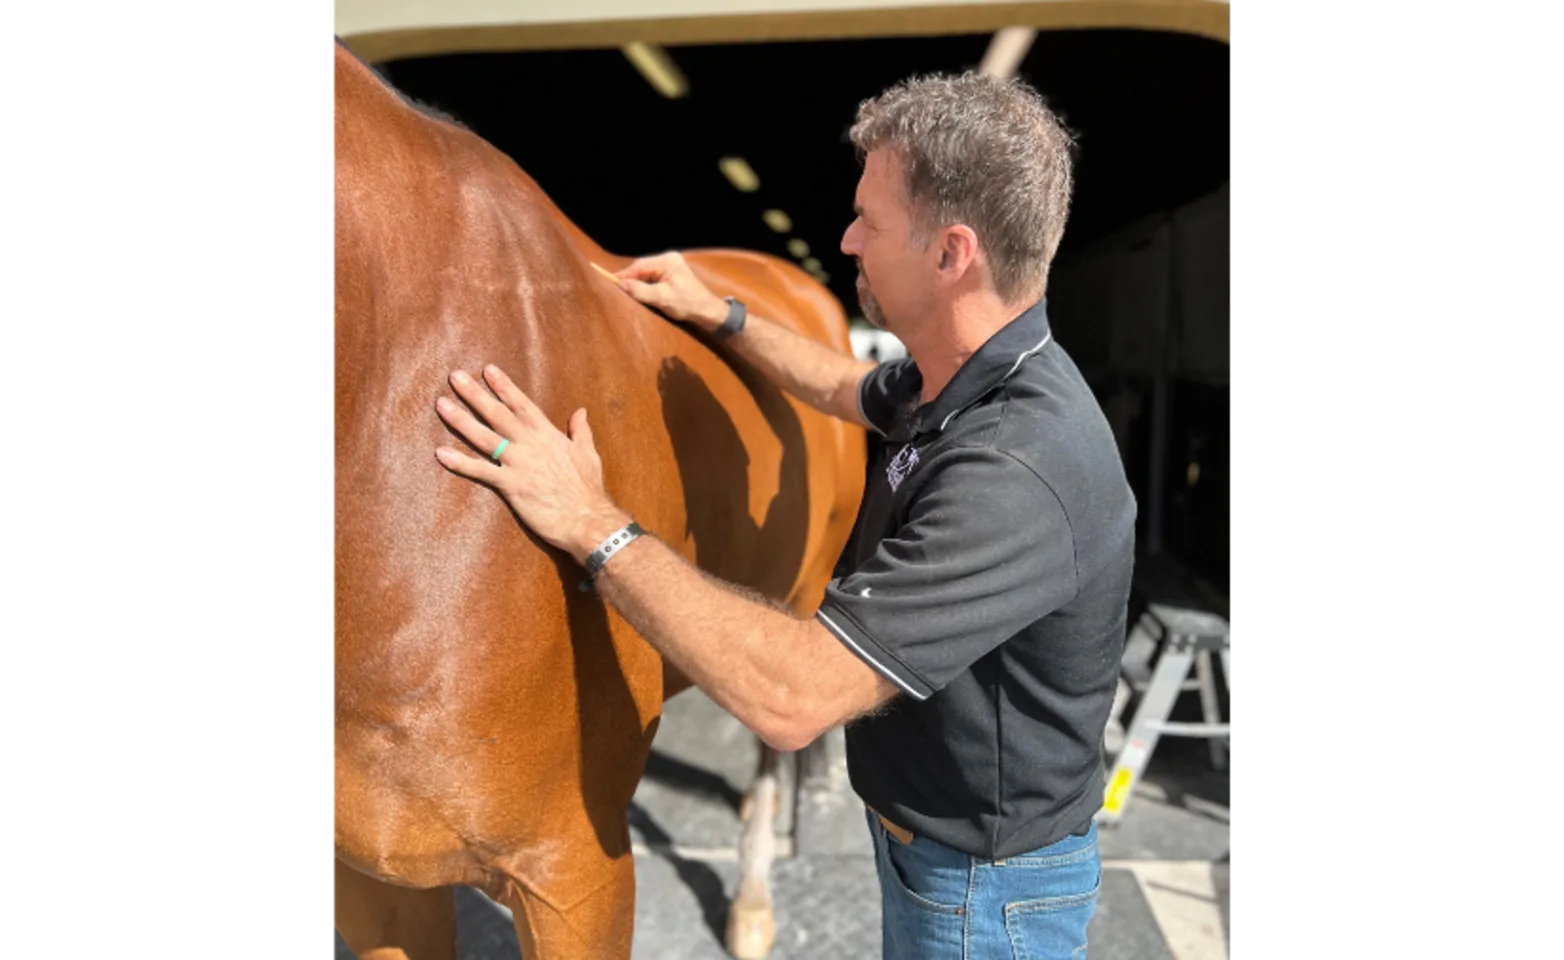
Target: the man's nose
pixel 850 243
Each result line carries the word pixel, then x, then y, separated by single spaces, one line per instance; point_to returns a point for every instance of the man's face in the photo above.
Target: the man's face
pixel 894 277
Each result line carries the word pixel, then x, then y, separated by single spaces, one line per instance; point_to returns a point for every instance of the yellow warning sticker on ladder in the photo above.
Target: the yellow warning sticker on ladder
pixel 1118 790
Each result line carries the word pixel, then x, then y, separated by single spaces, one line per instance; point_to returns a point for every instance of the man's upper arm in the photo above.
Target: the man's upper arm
pixel 844 402
pixel 986 550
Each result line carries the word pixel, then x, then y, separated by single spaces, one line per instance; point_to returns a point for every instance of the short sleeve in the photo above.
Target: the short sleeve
pixel 986 551
pixel 885 388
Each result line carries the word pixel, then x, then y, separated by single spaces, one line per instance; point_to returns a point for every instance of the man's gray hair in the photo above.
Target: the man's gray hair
pixel 981 151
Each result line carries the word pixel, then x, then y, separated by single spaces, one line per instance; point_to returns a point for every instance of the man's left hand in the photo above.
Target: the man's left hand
pixel 553 480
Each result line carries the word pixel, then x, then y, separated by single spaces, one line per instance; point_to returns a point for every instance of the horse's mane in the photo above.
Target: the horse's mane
pixel 433 113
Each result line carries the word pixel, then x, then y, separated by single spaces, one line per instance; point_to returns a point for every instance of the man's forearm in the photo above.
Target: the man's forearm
pixel 810 371
pixel 786 679
pixel 751 658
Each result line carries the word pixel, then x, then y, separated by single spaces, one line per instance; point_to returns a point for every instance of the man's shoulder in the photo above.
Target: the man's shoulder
pixel 983 486
pixel 980 456
pixel 1051 422
pixel 1040 432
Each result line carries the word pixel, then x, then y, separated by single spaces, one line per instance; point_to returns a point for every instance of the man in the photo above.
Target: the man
pixel 973 649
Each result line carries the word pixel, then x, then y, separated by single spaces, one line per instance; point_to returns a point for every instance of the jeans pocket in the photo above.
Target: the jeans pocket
pixel 923 896
pixel 1051 928
pixel 924 878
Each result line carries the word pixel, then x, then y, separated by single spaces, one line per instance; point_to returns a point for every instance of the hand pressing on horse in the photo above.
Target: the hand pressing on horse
pixel 553 480
pixel 666 282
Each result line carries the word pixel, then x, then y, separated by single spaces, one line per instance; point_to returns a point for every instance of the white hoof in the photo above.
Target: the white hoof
pixel 751 931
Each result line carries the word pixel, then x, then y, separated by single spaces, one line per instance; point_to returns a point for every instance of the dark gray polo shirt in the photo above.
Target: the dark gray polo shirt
pixel 991 570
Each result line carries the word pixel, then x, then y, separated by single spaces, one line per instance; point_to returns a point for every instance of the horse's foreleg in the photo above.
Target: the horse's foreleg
pixel 751 922
pixel 596 925
pixel 765 780
pixel 380 921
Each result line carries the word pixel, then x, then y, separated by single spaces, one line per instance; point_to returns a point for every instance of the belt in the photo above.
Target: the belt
pixel 902 834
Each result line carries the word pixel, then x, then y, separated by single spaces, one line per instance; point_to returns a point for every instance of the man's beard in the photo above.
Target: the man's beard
pixel 869 305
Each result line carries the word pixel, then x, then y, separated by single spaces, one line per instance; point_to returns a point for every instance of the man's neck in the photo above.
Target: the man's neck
pixel 946 342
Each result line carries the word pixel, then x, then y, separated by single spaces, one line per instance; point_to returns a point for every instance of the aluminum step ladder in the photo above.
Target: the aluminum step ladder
pixel 1187 638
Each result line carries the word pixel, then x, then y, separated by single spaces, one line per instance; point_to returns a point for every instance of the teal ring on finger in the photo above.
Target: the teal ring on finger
pixel 500 449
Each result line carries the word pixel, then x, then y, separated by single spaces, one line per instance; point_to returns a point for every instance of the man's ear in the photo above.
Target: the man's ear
pixel 958 248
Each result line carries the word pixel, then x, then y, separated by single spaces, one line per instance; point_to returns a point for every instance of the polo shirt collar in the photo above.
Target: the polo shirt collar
pixel 994 362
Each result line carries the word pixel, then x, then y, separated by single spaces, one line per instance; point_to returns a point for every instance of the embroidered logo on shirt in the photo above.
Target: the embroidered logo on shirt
pixel 901 465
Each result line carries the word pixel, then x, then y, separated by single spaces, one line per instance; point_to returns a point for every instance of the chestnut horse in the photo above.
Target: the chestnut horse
pixel 492 719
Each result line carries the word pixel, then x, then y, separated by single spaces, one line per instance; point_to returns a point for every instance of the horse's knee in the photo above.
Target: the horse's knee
pixel 593 922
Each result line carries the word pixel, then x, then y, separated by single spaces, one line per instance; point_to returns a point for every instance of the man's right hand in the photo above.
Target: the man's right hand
pixel 666 282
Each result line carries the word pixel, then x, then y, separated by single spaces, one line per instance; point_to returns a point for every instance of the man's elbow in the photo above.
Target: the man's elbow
pixel 791 731
pixel 789 739
pixel 795 714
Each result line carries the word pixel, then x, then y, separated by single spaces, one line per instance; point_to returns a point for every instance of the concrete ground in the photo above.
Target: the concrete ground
pixel 1164 888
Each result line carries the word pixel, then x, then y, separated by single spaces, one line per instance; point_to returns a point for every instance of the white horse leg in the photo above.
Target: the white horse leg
pixel 751 922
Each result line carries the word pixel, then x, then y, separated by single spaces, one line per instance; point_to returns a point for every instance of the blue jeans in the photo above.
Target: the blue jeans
pixel 942 904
